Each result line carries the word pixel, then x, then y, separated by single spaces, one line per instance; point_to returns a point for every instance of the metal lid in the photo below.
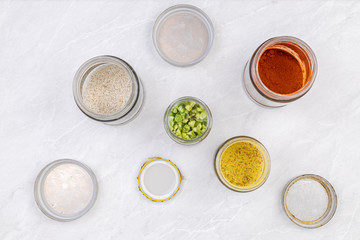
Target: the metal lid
pixel 159 179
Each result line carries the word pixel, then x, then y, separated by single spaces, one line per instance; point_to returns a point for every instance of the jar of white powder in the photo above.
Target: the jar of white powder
pixel 65 190
pixel 107 89
pixel 310 201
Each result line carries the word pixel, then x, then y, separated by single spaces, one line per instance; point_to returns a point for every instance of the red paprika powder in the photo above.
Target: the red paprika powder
pixel 282 70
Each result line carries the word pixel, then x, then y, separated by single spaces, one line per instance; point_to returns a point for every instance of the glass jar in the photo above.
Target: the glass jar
pixel 132 107
pixel 187 141
pixel 331 201
pixel 257 90
pixel 264 173
pixel 63 184
pixel 186 23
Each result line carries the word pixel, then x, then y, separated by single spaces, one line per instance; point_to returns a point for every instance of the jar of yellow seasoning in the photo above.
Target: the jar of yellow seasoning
pixel 242 164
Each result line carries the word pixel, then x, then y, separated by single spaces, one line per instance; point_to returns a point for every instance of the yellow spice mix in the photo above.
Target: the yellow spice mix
pixel 241 163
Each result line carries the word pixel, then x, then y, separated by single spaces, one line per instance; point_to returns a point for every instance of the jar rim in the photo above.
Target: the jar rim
pixel 187 141
pixel 85 69
pixel 264 90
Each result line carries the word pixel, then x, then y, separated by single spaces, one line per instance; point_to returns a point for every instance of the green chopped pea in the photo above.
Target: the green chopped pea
pixel 181 108
pixel 178 118
pixel 188 107
pixel 192 123
pixel 188 120
pixel 186 128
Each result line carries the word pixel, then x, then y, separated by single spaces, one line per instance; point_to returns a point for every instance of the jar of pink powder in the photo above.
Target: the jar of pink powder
pixel 183 35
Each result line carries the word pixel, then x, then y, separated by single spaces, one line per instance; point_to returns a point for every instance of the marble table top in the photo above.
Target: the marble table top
pixel 42 44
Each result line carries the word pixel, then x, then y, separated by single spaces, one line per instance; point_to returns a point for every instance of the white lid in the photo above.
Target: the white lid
pixel 159 179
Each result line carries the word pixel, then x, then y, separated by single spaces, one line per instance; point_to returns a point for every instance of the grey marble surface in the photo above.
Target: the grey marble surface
pixel 42 44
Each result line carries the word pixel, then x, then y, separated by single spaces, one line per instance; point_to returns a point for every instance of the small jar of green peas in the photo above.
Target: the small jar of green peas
pixel 188 120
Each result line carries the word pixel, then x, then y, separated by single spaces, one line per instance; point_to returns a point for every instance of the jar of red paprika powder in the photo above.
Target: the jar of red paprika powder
pixel 280 71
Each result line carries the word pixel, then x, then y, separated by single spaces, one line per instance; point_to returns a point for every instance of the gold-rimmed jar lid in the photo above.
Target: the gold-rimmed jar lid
pixel 309 201
pixel 159 179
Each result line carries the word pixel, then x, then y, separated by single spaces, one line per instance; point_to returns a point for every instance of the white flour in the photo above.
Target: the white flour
pixel 68 189
pixel 307 200
pixel 183 37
